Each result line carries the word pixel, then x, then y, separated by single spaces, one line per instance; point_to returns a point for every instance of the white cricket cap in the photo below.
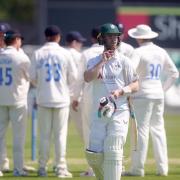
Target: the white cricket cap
pixel 142 31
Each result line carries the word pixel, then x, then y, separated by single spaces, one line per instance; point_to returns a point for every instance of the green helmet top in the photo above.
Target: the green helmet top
pixel 109 28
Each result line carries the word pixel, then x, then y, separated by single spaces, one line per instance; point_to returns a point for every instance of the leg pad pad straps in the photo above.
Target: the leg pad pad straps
pixel 113 154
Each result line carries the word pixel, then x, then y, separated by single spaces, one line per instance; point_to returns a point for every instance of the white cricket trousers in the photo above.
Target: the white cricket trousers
pixel 18 117
pixel 75 116
pixel 149 114
pixel 3 154
pixel 86 106
pixel 108 136
pixel 53 121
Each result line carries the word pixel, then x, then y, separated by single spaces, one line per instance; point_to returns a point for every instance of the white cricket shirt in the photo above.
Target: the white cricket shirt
pixel 112 78
pixel 14 77
pixel 75 89
pixel 53 71
pixel 92 52
pixel 126 49
pixel 153 62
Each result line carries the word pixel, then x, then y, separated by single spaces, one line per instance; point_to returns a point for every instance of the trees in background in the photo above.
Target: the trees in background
pixel 17 10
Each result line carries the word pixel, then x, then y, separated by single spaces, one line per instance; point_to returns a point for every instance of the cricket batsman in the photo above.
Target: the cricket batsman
pixel 109 125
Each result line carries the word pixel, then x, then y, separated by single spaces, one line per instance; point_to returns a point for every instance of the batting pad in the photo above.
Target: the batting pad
pixel 113 155
pixel 95 161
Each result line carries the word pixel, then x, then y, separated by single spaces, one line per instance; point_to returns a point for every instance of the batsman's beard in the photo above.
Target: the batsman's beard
pixel 111 46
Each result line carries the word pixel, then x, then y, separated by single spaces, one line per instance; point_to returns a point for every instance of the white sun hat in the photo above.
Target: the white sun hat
pixel 142 31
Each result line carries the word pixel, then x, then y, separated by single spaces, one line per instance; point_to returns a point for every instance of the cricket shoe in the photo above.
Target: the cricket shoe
pixel 63 173
pixel 29 169
pixel 54 169
pixel 18 173
pixel 5 166
pixel 162 174
pixel 42 172
pixel 128 173
pixel 1 174
pixel 88 173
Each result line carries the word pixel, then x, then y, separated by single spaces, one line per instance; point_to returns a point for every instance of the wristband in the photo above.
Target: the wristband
pixel 126 91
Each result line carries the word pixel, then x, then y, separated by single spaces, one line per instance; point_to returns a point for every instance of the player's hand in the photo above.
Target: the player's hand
pixel 75 105
pixel 117 93
pixel 108 55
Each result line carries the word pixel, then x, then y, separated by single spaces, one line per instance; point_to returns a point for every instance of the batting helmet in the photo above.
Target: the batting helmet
pixel 107 28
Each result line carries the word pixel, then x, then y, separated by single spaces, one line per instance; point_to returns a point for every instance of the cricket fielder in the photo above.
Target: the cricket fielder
pixel 86 101
pixel 75 41
pixel 14 85
pixel 52 72
pixel 153 62
pixel 4 165
pixel 109 127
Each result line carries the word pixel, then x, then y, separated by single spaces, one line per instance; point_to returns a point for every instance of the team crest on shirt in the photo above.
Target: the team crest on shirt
pixel 117 66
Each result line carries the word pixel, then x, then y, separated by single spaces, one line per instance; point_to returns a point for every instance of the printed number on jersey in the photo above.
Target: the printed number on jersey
pixel 53 72
pixel 6 76
pixel 155 71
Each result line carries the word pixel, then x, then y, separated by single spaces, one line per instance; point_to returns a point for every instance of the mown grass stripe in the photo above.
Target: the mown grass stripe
pixel 175 161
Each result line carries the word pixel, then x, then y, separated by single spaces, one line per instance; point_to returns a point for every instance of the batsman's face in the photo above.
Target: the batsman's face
pixel 110 41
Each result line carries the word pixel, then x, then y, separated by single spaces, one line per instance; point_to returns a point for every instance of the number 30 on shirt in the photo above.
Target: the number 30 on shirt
pixel 155 71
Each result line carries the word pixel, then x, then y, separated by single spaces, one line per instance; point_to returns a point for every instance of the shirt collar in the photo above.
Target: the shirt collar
pixel 96 45
pixel 51 44
pixel 146 43
pixel 11 48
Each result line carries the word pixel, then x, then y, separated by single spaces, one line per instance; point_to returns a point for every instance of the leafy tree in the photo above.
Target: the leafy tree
pixel 17 10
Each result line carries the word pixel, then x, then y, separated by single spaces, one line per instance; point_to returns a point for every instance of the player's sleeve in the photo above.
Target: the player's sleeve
pixel 78 86
pixel 171 71
pixel 131 73
pixel 25 66
pixel 92 62
pixel 135 59
pixel 72 70
pixel 130 51
pixel 72 75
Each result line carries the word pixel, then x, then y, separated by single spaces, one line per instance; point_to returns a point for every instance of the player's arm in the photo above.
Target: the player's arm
pixel 131 79
pixel 26 68
pixel 79 83
pixel 32 72
pixel 172 73
pixel 94 72
pixel 135 59
pixel 127 90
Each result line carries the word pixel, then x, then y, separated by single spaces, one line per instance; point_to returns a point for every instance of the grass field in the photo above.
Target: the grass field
pixel 77 162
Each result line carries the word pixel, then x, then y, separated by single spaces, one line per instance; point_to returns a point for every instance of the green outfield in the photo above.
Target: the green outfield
pixel 76 158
